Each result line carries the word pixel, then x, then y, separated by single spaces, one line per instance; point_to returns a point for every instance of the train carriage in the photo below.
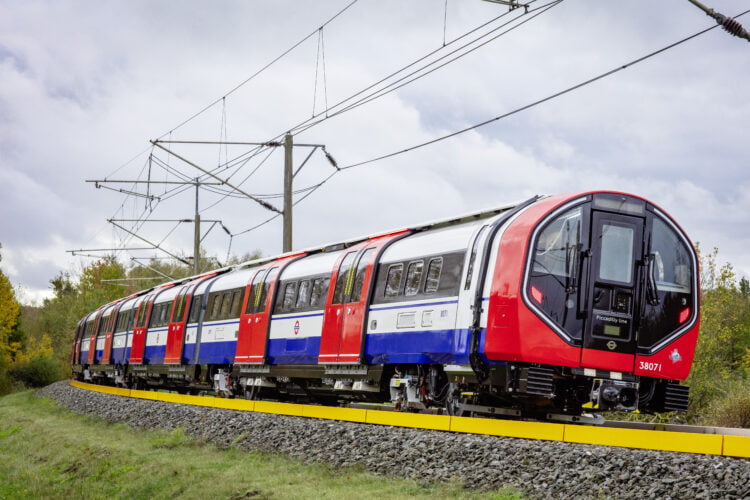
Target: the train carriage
pixel 534 308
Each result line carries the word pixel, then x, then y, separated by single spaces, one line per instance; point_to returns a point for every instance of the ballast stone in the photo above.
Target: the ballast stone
pixel 542 469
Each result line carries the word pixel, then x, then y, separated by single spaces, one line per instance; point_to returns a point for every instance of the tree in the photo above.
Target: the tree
pixel 10 312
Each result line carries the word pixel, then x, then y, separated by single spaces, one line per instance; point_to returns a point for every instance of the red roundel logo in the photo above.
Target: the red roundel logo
pixel 296 327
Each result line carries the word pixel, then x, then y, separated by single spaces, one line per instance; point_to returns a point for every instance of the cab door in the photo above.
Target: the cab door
pixel 613 291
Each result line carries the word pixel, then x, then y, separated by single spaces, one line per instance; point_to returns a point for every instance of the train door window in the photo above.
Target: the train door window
pixel 413 277
pixel 303 294
pixel 393 280
pixel 359 277
pixel 195 309
pixel 344 279
pixel 264 291
pixel 234 311
pixel 616 262
pixel 180 308
pixel 434 269
pixel 290 293
pixel 142 314
pixel 319 292
pixel 255 291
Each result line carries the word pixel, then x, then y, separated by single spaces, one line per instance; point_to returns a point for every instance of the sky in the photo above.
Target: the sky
pixel 85 86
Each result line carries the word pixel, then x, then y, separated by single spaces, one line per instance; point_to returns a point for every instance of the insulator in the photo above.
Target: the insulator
pixel 732 26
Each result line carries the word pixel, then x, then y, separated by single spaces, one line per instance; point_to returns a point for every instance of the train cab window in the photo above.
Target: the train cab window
pixel 195 308
pixel 344 279
pixel 303 295
pixel 670 286
pixel 554 269
pixel 671 262
pixel 413 277
pixel 319 292
pixel 359 277
pixel 290 293
pixel 393 280
pixel 433 275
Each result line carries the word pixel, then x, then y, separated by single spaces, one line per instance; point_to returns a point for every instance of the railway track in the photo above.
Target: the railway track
pixel 662 437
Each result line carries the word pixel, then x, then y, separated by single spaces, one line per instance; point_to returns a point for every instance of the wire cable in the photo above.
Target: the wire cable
pixel 540 101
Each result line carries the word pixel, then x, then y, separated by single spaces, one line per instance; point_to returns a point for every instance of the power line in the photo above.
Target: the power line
pixel 540 101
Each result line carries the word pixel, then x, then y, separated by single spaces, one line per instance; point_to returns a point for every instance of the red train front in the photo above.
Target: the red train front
pixel 592 297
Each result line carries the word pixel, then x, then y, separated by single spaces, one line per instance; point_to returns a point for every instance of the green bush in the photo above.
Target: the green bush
pixel 38 372
pixel 733 408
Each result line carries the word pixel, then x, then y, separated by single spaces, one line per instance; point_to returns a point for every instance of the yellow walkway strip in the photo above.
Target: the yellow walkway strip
pixel 709 444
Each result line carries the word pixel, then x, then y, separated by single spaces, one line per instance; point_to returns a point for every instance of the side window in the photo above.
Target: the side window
pixel 195 308
pixel 303 295
pixel 434 269
pixel 226 304
pixel 393 280
pixel 254 295
pixel 344 279
pixel 319 292
pixel 103 324
pixel 413 277
pixel 234 312
pixel 290 292
pixel 359 277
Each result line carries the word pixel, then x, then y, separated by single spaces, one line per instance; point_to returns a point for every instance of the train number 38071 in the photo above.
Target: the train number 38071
pixel 650 367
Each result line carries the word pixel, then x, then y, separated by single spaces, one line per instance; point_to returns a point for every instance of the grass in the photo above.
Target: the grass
pixel 48 452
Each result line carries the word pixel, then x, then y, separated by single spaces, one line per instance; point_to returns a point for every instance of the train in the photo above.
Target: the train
pixel 553 308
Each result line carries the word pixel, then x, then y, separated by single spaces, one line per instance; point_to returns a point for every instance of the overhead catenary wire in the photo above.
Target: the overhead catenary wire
pixel 539 101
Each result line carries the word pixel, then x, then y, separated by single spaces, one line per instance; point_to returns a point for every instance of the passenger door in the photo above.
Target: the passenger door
pixel 343 336
pixel 176 331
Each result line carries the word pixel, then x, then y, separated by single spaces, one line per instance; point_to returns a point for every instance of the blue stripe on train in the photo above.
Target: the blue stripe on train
pixel 302 351
pixel 210 353
pixel 435 346
pixel 427 346
pixel 120 355
pixel 154 354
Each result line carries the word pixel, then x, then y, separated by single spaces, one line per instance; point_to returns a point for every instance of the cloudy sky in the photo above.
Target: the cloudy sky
pixel 84 87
